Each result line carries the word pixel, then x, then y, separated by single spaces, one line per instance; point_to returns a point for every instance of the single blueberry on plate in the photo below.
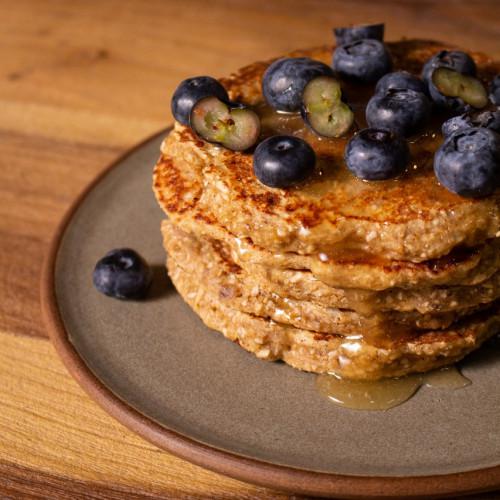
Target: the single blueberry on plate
pixel 282 161
pixel 122 273
pixel 285 79
pixel 359 32
pixel 192 90
pixel 363 61
pixel 400 80
pixel 376 154
pixel 400 110
pixel 468 162
pixel 451 59
pixel 486 119
pixel 495 91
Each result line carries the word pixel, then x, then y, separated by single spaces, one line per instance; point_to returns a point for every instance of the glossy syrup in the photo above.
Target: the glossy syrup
pixel 386 393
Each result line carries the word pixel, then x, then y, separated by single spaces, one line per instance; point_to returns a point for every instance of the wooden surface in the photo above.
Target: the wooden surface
pixel 80 83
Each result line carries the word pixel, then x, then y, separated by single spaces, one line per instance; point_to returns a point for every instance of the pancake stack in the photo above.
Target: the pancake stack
pixel 362 279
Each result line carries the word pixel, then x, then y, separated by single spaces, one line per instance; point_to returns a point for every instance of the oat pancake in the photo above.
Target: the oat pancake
pixel 302 285
pixel 463 266
pixel 412 218
pixel 319 353
pixel 213 269
pixel 364 279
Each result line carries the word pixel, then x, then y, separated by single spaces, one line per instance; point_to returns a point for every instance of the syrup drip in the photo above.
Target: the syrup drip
pixel 386 393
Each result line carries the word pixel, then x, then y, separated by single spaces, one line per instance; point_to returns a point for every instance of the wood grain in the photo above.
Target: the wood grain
pixel 80 83
pixel 62 434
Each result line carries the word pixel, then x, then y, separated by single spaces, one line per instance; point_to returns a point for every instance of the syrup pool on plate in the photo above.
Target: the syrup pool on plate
pixel 386 393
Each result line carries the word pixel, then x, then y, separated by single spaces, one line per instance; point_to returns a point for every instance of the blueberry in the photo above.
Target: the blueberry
pixel 399 110
pixel 323 109
pixel 400 80
pixel 486 119
pixel 232 125
pixel 282 161
pixel 364 61
pixel 376 154
pixel 122 273
pixel 285 79
pixel 360 32
pixel 192 90
pixel 455 123
pixel 456 91
pixel 495 91
pixel 468 162
pixel 451 59
pixel 456 60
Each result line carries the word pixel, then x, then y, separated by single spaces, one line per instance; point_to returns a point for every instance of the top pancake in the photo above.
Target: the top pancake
pixel 411 218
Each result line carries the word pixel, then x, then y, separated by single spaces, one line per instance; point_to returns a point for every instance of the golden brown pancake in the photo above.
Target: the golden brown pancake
pixel 411 218
pixel 365 279
pixel 344 356
pixel 462 266
pixel 216 271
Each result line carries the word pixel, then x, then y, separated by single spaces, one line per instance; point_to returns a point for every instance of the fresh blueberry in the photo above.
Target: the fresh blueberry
pixel 282 161
pixel 486 119
pixel 232 125
pixel 285 79
pixel 400 80
pixel 323 109
pixel 122 273
pixel 400 110
pixel 452 59
pixel 495 91
pixel 468 162
pixel 364 61
pixel 376 154
pixel 192 90
pixel 456 91
pixel 453 105
pixel 455 123
pixel 360 32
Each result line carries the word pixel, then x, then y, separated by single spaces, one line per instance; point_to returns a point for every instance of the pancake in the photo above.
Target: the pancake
pixel 347 357
pixel 213 269
pixel 464 266
pixel 302 285
pixel 363 279
pixel 411 218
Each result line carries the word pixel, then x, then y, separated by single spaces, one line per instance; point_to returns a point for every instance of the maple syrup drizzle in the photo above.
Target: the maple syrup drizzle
pixel 386 393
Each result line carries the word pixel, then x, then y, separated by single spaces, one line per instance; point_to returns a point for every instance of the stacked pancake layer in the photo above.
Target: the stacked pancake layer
pixel 366 280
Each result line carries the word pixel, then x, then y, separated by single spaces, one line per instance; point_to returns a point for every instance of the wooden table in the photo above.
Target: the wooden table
pixel 80 83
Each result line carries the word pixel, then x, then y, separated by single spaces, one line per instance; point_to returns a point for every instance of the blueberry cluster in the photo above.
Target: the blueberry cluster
pixel 467 163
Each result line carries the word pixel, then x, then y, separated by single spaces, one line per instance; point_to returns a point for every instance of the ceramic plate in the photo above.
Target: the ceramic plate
pixel 155 367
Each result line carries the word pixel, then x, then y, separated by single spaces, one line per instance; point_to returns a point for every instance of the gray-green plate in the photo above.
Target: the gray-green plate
pixel 159 370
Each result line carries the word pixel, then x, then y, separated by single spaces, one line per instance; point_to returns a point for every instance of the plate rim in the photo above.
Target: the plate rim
pixel 266 474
